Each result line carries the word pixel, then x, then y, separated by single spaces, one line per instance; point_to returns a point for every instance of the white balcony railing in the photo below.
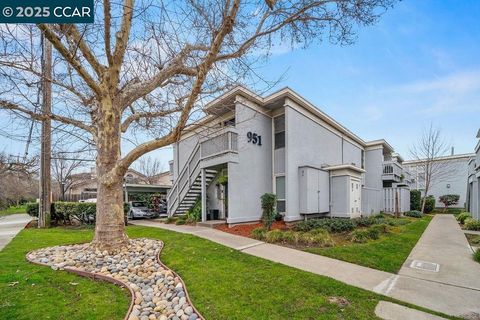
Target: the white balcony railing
pixel 392 169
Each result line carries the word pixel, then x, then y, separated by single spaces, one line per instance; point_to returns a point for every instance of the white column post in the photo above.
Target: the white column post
pixel 204 195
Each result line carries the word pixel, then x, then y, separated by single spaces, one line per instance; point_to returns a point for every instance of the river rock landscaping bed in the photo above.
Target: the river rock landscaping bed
pixel 157 292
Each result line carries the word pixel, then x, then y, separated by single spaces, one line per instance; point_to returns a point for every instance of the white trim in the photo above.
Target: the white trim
pixel 442 158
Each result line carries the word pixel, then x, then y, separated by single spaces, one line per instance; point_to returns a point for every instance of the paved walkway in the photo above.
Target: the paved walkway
pixel 11 225
pixel 417 288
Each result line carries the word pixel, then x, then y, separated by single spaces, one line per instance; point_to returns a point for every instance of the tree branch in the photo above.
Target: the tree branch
pixel 42 117
pixel 152 114
pixel 71 31
pixel 56 42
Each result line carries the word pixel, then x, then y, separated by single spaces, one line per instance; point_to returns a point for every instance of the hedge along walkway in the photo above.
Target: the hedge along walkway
pixel 445 298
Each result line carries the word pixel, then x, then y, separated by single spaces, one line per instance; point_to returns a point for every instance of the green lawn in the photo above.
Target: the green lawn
pixel 387 253
pixel 223 283
pixel 13 210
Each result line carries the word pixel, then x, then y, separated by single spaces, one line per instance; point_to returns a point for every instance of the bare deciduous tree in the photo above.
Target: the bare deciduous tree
pixel 63 166
pixel 150 167
pixel 143 68
pixel 428 152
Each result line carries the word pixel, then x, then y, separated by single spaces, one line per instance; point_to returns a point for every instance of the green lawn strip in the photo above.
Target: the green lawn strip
pixel 387 253
pixel 13 210
pixel 223 283
pixel 227 284
pixel 42 293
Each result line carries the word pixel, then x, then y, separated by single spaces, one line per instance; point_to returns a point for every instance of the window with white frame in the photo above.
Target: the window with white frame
pixel 280 192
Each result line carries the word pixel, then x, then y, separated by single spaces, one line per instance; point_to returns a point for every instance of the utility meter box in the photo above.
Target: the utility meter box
pixel 313 190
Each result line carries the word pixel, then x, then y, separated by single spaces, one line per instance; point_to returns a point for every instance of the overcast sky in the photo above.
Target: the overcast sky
pixel 419 65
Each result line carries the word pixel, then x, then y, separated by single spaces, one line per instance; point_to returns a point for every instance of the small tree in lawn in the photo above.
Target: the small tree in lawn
pixel 449 200
pixel 428 152
pixel 268 209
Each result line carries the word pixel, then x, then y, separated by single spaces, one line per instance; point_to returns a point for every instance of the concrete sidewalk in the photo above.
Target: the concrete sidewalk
pixel 11 225
pixel 444 243
pixel 438 296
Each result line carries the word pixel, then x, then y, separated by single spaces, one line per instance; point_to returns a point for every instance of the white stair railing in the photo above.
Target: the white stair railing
pixel 225 141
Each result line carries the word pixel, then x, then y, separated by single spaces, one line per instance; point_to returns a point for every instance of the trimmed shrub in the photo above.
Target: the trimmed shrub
pixel 334 225
pixel 413 214
pixel 274 236
pixel 476 256
pixel 472 224
pixel 65 212
pixel 269 201
pixel 429 204
pixel 259 233
pixel 32 209
pixel 449 200
pixel 415 200
pixel 463 216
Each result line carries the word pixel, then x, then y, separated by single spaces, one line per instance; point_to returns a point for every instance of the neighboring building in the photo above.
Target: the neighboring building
pixel 249 145
pixel 84 185
pixel 473 183
pixel 451 179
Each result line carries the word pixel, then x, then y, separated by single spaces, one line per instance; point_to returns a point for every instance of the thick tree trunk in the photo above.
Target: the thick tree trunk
pixel 110 224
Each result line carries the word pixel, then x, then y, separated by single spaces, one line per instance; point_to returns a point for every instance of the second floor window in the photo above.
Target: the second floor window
pixel 279 128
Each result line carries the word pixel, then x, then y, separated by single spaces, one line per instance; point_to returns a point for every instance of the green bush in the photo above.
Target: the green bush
pixel 171 220
pixel 65 212
pixel 259 233
pixel 180 221
pixel 429 204
pixel 365 221
pixel 382 228
pixel 415 200
pixel 359 236
pixel 413 214
pixel 476 255
pixel 363 235
pixel 463 216
pixel 449 200
pixel 472 224
pixel 32 209
pixel 373 233
pixel 316 237
pixel 269 201
pixel 475 241
pixel 274 236
pixel 292 237
pixel 195 213
pixel 335 225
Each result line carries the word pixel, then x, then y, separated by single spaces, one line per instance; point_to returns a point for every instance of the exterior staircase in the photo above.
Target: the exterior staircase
pixel 195 191
pixel 208 153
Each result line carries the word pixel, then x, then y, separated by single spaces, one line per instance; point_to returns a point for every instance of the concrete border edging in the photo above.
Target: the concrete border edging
pixel 100 277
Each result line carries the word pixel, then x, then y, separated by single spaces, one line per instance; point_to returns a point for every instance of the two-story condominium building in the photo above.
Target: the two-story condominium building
pixel 473 182
pixel 249 145
pixel 451 173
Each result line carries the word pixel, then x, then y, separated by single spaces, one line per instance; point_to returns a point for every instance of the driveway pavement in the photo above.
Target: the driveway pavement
pixel 11 225
pixel 444 291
